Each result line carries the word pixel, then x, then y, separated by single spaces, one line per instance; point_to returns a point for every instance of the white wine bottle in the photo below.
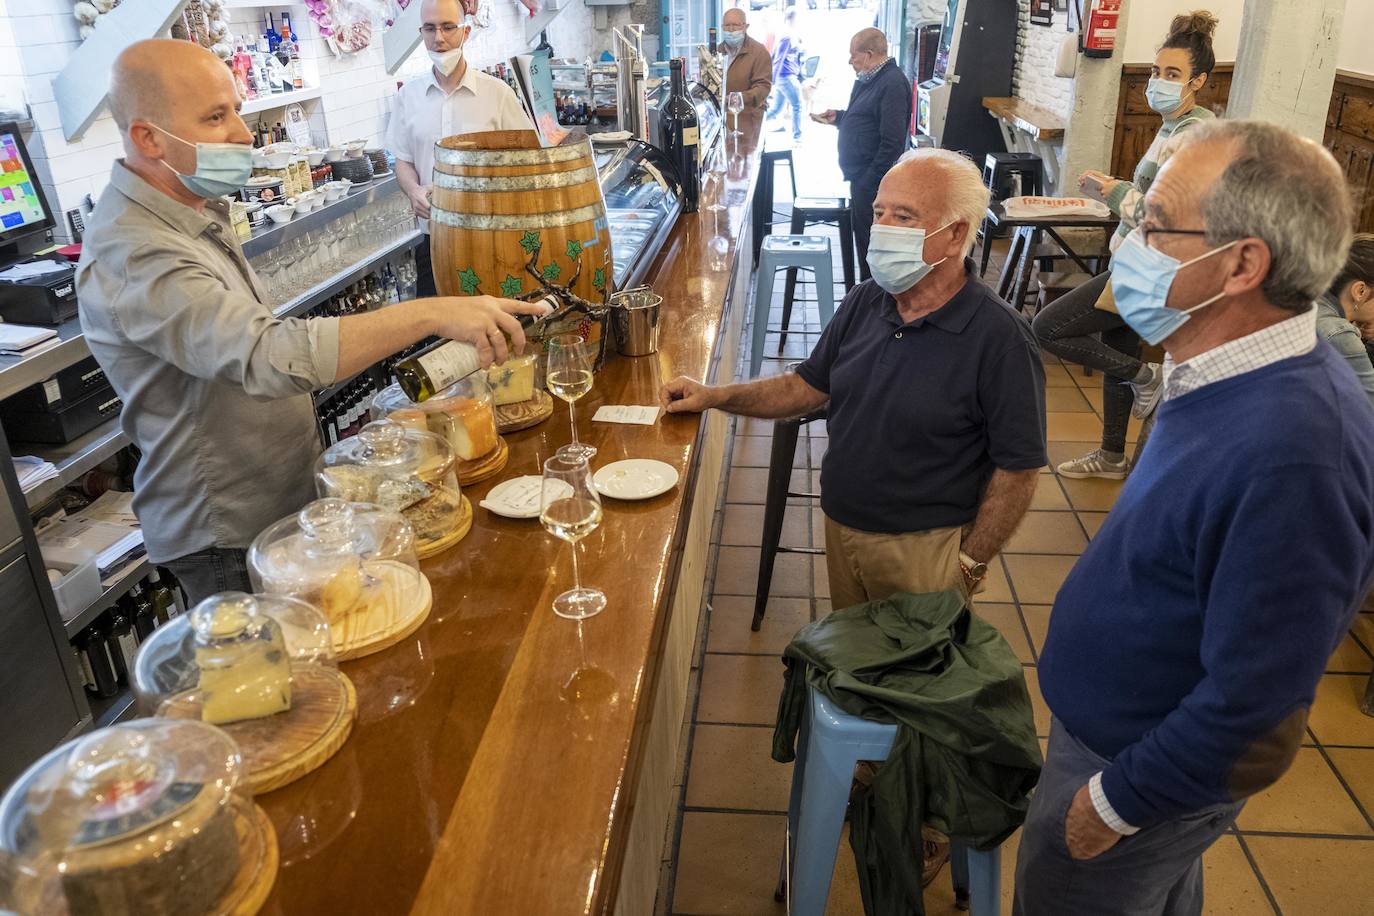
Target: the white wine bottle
pixel 426 374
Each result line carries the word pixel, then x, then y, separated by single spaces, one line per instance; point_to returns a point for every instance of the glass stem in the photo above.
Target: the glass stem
pixel 572 418
pixel 577 573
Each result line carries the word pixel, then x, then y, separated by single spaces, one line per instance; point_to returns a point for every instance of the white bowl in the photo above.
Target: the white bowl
pixel 354 148
pixel 315 157
pixel 312 199
pixel 265 160
pixel 334 153
pixel 333 190
pixel 280 213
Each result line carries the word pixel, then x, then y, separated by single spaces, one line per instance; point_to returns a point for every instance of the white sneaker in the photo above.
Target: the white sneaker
pixel 1096 464
pixel 1147 392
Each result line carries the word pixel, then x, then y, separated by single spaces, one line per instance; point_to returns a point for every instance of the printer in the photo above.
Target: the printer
pixel 39 291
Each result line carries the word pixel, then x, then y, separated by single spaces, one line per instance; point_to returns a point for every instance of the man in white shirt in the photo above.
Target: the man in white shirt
pixel 451 98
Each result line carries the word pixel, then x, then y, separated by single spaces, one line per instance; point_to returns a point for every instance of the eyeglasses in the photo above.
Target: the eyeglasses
pixel 1146 233
pixel 448 28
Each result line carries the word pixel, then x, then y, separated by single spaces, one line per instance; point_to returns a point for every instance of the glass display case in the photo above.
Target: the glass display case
pixel 709 118
pixel 643 200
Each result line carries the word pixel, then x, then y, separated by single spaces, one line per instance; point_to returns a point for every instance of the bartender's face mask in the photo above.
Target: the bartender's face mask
pixel 444 42
pixel 221 168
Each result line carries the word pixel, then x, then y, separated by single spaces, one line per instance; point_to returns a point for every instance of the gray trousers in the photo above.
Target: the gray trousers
pixel 210 571
pixel 1156 872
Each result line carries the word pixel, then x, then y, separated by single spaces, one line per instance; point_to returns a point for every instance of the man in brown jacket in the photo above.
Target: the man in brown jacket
pixel 749 67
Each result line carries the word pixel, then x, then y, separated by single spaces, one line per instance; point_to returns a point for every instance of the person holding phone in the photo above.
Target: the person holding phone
pixel 1083 326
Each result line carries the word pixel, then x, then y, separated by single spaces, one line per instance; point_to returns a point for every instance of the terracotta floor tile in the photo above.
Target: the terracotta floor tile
pixel 1336 716
pixel 1066 399
pixel 1314 877
pixel 1042 712
pixel 1363 628
pixel 740 689
pixel 731 617
pixel 997 590
pixel 1008 622
pixel 939 896
pixel 750 485
pixel 737 572
pixel 820 585
pixel 1356 766
pixel 1048 532
pixel 1093 394
pixel 1092 521
pixel 732 767
pixel 818 446
pixel 728 864
pixel 1307 799
pixel 1230 886
pixel 1092 494
pixel 743 526
pixel 1037 578
pixel 755 451
pixel 1349 657
pixel 1058 377
pixel 1037 618
pixel 1048 495
pixel 1063 426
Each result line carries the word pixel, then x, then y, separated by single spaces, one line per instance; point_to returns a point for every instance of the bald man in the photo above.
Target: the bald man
pixel 873 129
pixel 216 390
pixel 449 98
pixel 749 66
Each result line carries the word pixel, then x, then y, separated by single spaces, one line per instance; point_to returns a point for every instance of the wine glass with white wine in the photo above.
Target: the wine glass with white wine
pixel 569 377
pixel 570 509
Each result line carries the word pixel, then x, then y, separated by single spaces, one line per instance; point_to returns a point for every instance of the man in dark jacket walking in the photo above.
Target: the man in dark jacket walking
pixel 873 129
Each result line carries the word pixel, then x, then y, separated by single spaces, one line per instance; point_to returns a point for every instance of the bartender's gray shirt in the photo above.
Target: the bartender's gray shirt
pixel 216 390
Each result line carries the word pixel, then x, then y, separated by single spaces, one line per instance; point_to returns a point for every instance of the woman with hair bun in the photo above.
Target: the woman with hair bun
pixel 1070 326
pixel 1348 304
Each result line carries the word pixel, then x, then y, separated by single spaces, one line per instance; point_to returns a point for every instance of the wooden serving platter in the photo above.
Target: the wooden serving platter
pixel 258 864
pixel 430 548
pixel 383 624
pixel 489 465
pixel 524 414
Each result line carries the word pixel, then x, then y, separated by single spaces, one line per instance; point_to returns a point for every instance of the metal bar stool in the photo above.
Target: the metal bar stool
pixel 811 252
pixel 829 745
pixel 998 172
pixel 765 208
pixel 776 494
pixel 829 211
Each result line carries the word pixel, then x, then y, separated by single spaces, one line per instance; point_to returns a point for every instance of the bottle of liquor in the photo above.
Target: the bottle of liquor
pixel 163 597
pixel 711 42
pixel 678 128
pixel 289 36
pixel 273 39
pixel 91 643
pixel 142 611
pixel 123 644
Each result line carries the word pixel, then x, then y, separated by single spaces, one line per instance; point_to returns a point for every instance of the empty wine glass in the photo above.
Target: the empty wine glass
pixel 570 509
pixel 718 179
pixel 734 103
pixel 569 377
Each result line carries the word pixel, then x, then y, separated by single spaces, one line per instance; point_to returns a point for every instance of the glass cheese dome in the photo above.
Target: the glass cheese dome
pixel 462 415
pixel 262 668
pixel 150 817
pixel 405 470
pixel 355 562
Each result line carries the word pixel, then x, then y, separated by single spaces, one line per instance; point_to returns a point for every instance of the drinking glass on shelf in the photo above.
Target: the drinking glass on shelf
pixel 569 377
pixel 734 103
pixel 570 509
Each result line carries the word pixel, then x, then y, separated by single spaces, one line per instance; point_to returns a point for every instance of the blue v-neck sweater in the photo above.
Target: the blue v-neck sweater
pixel 1187 643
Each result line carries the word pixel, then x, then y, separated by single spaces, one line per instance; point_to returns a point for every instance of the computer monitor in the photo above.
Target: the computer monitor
pixel 23 208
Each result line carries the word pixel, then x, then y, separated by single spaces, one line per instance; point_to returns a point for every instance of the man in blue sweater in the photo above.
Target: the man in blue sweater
pixel 1186 645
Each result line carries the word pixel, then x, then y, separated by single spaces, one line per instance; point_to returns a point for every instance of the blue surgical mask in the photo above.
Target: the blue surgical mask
pixel 1141 278
pixel 733 39
pixel 896 256
pixel 221 168
pixel 1163 95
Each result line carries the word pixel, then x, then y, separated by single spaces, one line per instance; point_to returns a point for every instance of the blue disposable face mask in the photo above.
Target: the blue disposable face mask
pixel 867 75
pixel 221 168
pixel 1164 96
pixel 733 39
pixel 896 256
pixel 1141 278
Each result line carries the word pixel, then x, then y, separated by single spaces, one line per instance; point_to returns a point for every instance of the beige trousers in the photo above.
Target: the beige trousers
pixel 864 566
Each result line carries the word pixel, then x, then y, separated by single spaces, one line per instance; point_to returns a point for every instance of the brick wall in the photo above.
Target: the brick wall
pixel 1037 47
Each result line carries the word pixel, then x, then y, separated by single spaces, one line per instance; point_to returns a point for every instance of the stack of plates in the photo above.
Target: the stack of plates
pixel 358 171
pixel 379 164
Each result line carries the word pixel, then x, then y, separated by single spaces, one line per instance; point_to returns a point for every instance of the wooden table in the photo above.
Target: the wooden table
pixel 1026 237
pixel 1027 128
pixel 507 760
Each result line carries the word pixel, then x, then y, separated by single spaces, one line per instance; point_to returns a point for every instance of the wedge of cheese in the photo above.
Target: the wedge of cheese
pixel 468 424
pixel 251 680
pixel 513 381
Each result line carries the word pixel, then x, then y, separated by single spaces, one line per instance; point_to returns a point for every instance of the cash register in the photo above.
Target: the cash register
pixel 33 289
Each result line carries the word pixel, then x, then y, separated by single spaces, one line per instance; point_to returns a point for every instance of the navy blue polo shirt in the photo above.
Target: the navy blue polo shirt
pixel 921 412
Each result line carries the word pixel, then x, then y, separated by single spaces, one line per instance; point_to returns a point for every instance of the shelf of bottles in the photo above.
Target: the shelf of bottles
pixel 268 66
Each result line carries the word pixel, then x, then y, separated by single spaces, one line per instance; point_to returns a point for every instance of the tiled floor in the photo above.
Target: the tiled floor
pixel 1306 846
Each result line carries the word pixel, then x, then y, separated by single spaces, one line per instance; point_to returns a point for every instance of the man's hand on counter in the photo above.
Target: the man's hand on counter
pixel 687 395
pixel 485 322
pixel 419 201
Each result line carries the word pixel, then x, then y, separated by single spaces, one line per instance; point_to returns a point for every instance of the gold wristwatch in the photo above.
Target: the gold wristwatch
pixel 972 568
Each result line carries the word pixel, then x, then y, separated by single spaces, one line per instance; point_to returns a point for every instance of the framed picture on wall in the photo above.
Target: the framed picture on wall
pixel 1042 12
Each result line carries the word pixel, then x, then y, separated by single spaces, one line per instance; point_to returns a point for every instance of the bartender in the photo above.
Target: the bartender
pixel 216 390
pixel 449 98
pixel 749 65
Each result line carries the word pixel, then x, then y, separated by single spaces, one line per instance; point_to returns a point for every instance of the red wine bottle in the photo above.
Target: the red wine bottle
pixel 678 128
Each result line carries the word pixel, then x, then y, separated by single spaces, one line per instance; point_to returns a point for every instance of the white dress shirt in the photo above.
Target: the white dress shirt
pixel 425 114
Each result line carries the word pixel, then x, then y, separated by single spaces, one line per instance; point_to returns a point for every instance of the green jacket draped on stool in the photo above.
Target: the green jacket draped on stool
pixel 965 756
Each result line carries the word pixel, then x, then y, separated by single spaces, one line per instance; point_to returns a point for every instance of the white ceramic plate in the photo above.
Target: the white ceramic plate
pixel 635 478
pixel 517 497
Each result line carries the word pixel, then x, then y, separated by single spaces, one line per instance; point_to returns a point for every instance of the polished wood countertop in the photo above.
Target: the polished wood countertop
pixel 493 765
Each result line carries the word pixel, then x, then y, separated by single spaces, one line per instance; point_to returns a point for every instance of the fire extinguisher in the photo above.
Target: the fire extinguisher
pixel 1100 37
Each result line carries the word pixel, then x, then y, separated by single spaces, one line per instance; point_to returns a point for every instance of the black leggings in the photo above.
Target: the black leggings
pixel 1066 327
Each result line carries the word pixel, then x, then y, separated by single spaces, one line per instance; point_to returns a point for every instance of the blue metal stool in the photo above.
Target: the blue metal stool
pixel 829 745
pixel 811 252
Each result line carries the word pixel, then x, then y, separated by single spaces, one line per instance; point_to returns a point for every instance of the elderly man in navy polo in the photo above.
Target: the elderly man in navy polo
pixel 935 394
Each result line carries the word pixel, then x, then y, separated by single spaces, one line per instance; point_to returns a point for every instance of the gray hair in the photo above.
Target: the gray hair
pixel 966 197
pixel 1289 192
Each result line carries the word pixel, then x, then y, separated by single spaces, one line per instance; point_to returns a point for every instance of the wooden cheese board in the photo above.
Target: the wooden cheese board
pixel 479 469
pixel 381 624
pixel 524 414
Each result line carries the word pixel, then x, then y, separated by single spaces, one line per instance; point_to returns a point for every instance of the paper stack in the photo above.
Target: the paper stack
pixel 25 340
pixel 107 528
pixel 33 471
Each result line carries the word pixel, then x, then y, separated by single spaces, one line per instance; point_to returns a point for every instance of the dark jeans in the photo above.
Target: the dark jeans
pixel 424 271
pixel 208 572
pixel 861 207
pixel 1156 872
pixel 1066 327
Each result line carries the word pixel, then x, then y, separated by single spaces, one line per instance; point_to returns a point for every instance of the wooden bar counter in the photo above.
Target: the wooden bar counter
pixel 506 760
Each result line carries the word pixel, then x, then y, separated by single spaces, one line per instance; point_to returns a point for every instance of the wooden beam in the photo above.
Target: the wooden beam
pixel 83 85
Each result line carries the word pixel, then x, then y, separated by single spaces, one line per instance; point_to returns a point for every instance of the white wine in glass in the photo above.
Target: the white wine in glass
pixel 569 377
pixel 570 509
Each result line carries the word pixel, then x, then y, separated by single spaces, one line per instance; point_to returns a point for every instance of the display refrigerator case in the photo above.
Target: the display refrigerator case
pixel 643 199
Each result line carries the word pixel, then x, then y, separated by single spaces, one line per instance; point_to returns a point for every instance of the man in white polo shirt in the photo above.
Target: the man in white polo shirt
pixel 450 98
